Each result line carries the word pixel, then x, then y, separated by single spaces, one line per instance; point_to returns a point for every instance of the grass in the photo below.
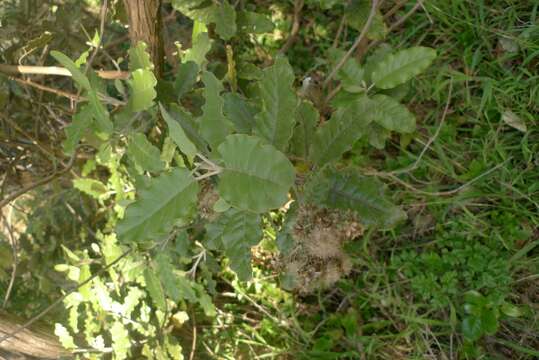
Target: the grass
pixel 406 296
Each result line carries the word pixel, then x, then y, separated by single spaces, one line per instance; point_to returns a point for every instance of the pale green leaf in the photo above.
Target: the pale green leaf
pixel 139 58
pixel 392 115
pixel 143 92
pixel 197 53
pixel 348 190
pixel 255 176
pixel 178 135
pixel 120 340
pixel 92 187
pixel 169 198
pixel 144 154
pixel 186 78
pixel 276 121
pixel 214 126
pixel 240 112
pixel 64 336
pixel 396 69
pixel 255 23
pixel 153 285
pixel 513 120
pixel 77 75
pixel 346 126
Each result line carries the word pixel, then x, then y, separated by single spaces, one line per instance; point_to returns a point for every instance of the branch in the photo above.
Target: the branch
pixel 57 71
pixel 298 6
pixel 355 45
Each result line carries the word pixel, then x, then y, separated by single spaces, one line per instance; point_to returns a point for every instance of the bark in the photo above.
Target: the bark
pixel 36 341
pixel 145 25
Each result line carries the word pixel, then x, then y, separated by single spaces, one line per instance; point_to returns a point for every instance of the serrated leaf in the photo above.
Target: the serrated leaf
pixel 349 191
pixel 143 92
pixel 276 121
pixel 77 75
pixel 80 122
pixel 197 53
pixel 392 115
pixel 214 126
pixel 357 14
pixel 153 285
pixel 92 187
pixel 144 154
pixel 139 58
pixel 120 340
pixel 64 336
pixel 396 69
pixel 240 112
pixel 254 23
pixel 222 14
pixel 178 135
pixel 176 286
pixel 169 198
pixel 186 78
pixel 242 231
pixel 307 121
pixel 255 176
pixel 337 135
pixel 102 124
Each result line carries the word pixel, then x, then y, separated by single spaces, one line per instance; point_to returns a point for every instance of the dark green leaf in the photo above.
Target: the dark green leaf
pixel 307 121
pixel 144 154
pixel 186 78
pixel 254 23
pixel 178 135
pixel 240 112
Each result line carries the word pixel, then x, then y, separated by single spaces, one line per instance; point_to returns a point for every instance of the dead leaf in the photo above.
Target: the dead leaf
pixel 513 120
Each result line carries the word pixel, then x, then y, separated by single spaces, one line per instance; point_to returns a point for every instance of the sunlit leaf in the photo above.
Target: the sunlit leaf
pixel 143 92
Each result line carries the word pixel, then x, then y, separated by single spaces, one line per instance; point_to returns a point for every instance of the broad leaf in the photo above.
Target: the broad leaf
pixel 142 90
pixel 168 199
pixel 214 126
pixel 80 122
pixel 175 285
pixel 240 112
pixel 307 121
pixel 189 125
pixel 103 125
pixel 348 190
pixel 351 76
pixel 377 135
pixel 222 14
pixel 254 23
pixel 356 15
pixel 178 135
pixel 255 176
pixel 153 285
pixel 144 154
pixel 276 121
pixel 225 20
pixel 77 75
pixel 392 115
pixel 186 78
pixel 242 230
pixel 396 69
pixel 345 127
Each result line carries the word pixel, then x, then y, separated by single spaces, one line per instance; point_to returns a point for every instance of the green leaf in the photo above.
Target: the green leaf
pixel 241 231
pixel 80 122
pixel 380 53
pixel 345 127
pixel 240 112
pixel 351 76
pixel 254 23
pixel 221 14
pixel 396 69
pixel 214 126
pixel 144 154
pixel 142 90
pixel 489 320
pixel 392 115
pixel 77 75
pixel 176 286
pixel 255 176
pixel 276 121
pixel 377 136
pixel 472 328
pixel 139 58
pixel 225 20
pixel 511 310
pixel 120 340
pixel 178 135
pixel 357 14
pixel 186 78
pixel 103 125
pixel 348 190
pixel 307 121
pixel 92 187
pixel 64 336
pixel 189 125
pixel 153 285
pixel 197 53
pixel 169 198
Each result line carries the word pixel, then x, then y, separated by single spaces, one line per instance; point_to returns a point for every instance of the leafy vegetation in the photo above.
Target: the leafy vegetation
pixel 317 179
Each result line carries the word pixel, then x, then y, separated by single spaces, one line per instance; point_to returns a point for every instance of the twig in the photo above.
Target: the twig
pixel 57 71
pixel 298 6
pixel 356 43
pixel 103 16
pixel 194 342
pixel 15 260
pixel 339 32
pixel 9 198
pixel 431 140
pixel 60 299
pixel 394 9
